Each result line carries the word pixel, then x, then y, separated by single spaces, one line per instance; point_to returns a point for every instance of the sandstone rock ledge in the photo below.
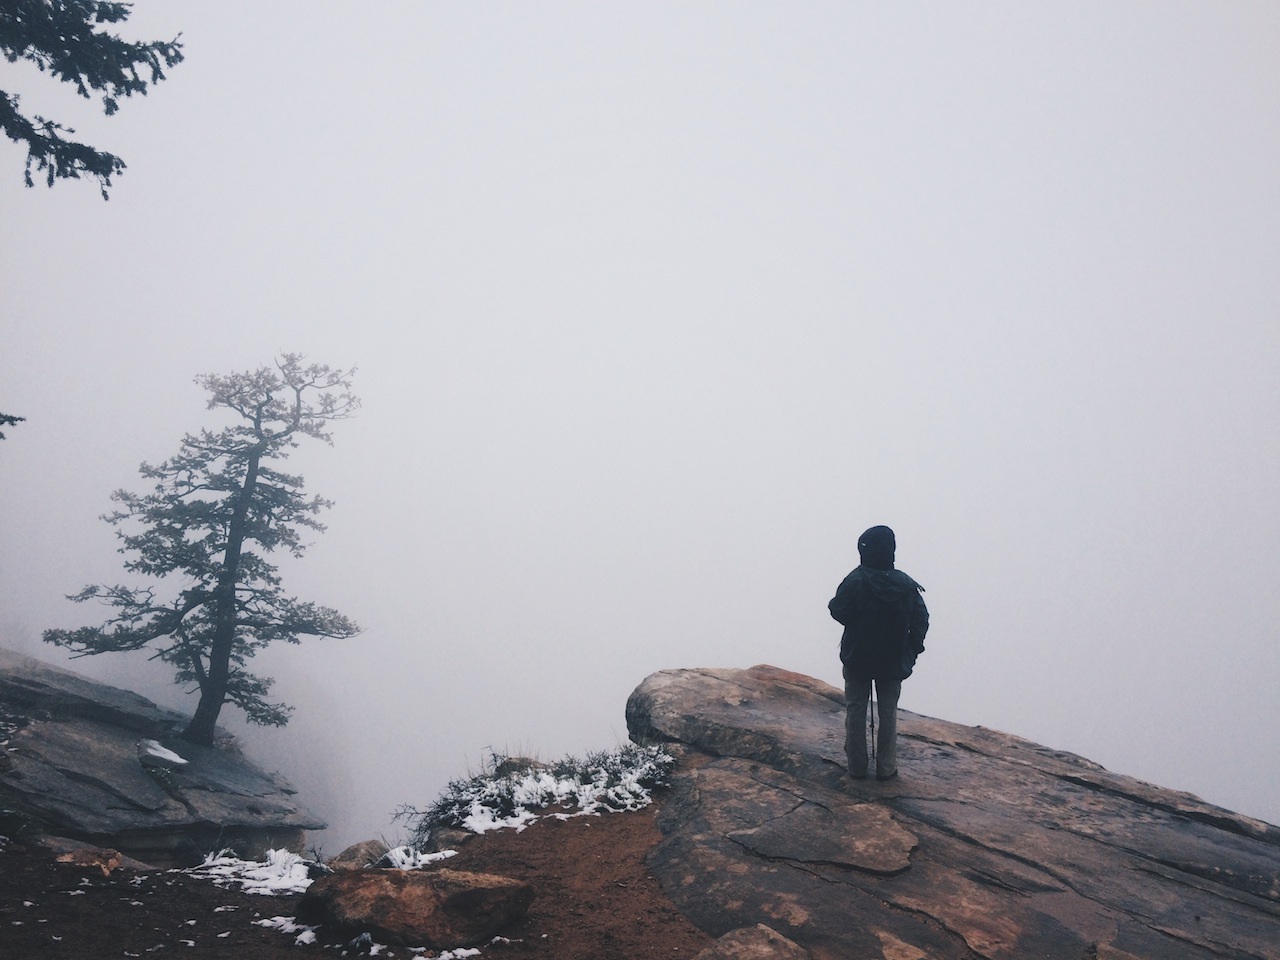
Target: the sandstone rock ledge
pixel 90 762
pixel 986 846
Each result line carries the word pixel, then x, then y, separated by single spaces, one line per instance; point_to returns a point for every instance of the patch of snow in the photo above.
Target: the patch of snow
pixel 482 819
pixel 153 748
pixel 283 924
pixel 305 935
pixel 408 858
pixel 615 781
pixel 281 873
pixel 538 790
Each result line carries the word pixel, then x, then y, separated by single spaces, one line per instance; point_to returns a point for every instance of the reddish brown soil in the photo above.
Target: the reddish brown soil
pixel 595 900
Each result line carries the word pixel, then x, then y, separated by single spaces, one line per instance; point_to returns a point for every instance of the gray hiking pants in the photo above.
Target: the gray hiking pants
pixel 857 692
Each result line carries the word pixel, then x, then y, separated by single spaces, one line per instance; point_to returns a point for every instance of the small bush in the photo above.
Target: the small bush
pixel 618 779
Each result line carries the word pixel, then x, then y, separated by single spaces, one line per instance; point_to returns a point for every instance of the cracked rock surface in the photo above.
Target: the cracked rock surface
pixel 987 845
pixel 73 767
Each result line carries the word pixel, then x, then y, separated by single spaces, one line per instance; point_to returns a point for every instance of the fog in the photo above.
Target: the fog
pixel 655 307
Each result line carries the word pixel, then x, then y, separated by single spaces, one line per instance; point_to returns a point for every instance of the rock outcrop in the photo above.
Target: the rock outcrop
pixel 101 765
pixel 987 845
pixel 440 909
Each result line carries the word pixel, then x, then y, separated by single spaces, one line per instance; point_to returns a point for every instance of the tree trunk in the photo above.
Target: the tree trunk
pixel 205 720
pixel 213 689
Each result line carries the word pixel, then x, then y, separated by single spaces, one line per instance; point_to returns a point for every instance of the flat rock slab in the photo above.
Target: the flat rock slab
pixel 34 688
pixel 987 845
pixel 79 763
pixel 777 817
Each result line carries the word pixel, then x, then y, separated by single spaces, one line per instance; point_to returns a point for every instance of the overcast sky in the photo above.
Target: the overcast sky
pixel 656 307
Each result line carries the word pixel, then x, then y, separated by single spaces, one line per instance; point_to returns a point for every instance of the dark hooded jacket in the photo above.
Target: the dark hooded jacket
pixel 884 620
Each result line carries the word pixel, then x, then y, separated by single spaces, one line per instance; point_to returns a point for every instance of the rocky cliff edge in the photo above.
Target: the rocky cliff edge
pixel 96 764
pixel 986 846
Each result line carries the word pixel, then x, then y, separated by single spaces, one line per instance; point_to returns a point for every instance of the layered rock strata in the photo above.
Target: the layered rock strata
pixel 98 764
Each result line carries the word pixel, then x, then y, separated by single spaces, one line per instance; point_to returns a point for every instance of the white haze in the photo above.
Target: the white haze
pixel 655 308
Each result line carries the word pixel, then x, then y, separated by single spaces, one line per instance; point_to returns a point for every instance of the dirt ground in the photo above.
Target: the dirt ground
pixel 595 900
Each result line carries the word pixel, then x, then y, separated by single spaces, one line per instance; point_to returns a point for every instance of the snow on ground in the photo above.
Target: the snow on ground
pixel 607 782
pixel 281 873
pixel 304 933
pixel 407 858
pixel 538 790
pixel 611 782
pixel 153 748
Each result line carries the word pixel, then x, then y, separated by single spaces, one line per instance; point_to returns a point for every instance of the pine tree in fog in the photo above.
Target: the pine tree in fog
pixel 203 533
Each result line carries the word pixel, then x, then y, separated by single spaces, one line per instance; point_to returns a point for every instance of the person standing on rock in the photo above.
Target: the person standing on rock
pixel 885 621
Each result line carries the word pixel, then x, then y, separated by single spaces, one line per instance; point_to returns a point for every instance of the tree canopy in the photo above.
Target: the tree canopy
pixel 217 509
pixel 63 37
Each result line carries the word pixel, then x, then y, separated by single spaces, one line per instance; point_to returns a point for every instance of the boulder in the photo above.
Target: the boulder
pixel 439 909
pixel 359 855
pixel 986 845
pixel 104 860
pixel 104 766
pixel 74 851
pixel 445 838
pixel 754 943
